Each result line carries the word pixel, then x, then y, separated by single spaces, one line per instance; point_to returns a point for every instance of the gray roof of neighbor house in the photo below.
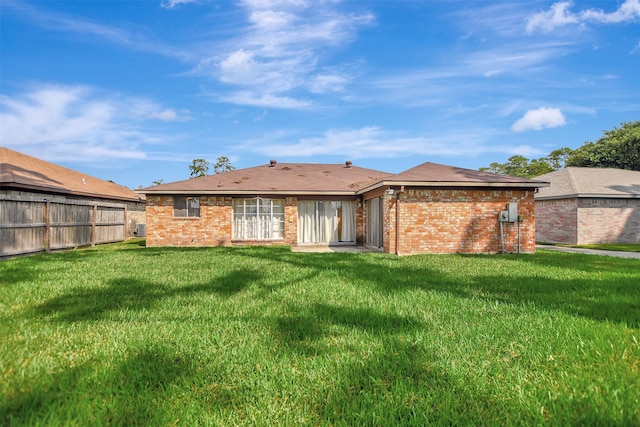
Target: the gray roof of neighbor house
pixel 22 172
pixel 590 182
pixel 332 179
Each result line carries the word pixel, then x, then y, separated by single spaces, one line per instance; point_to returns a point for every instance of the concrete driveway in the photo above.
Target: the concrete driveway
pixel 618 254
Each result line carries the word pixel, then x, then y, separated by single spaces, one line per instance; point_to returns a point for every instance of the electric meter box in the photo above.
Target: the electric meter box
pixel 509 215
pixel 512 212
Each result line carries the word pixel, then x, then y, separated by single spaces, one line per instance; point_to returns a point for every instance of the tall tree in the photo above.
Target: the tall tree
pixel 520 166
pixel 199 167
pixel 558 158
pixel 223 164
pixel 618 148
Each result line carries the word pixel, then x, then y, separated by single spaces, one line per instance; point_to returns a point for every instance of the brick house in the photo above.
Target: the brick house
pixel 588 206
pixel 430 208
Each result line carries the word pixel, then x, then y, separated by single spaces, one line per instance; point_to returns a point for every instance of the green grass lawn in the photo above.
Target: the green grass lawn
pixel 123 334
pixel 625 247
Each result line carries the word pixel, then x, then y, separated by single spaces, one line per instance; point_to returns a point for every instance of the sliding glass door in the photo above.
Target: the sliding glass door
pixel 375 223
pixel 326 221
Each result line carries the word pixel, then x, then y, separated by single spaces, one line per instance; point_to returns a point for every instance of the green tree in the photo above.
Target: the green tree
pixel 223 164
pixel 199 167
pixel 520 166
pixel 618 148
pixel 538 167
pixel 558 158
pixel 158 182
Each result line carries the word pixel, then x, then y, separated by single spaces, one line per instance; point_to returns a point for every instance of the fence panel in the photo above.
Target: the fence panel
pixel 70 225
pixel 22 227
pixel 35 225
pixel 109 224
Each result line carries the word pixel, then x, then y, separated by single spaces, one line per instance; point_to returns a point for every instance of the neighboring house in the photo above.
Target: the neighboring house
pixel 589 205
pixel 430 208
pixel 45 206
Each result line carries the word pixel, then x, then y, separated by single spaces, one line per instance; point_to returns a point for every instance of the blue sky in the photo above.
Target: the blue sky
pixel 133 91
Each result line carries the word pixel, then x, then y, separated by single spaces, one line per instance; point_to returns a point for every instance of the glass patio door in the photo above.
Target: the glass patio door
pixel 326 221
pixel 374 223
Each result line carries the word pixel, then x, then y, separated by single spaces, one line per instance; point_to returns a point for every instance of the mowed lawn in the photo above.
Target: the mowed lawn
pixel 123 334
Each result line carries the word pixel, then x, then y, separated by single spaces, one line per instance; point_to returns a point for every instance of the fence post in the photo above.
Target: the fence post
pixel 47 226
pixel 94 214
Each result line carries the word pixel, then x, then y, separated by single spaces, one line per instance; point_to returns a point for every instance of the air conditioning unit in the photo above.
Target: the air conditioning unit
pixel 141 230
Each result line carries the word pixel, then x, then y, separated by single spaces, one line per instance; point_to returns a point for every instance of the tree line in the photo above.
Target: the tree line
pixel 618 148
pixel 200 167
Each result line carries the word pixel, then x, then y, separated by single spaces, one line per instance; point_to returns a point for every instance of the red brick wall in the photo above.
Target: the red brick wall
pixel 557 221
pixel 457 221
pixel 212 228
pixel 608 221
pixel 588 220
pixel 291 221
pixel 430 221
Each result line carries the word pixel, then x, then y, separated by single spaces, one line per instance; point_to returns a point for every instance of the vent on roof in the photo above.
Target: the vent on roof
pixel 272 163
pixel 348 163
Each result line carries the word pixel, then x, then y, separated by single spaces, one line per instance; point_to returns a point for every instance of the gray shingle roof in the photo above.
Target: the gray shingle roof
pixel 590 182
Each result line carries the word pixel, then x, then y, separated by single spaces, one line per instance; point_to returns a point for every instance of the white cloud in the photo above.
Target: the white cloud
pixel 540 118
pixel 282 49
pixel 79 123
pixel 457 79
pixel 375 142
pixel 559 15
pixel 555 17
pixel 68 23
pixel 239 68
pixel 169 115
pixel 512 59
pixel 256 99
pixel 330 82
pixel 629 11
pixel 170 4
pixel 271 20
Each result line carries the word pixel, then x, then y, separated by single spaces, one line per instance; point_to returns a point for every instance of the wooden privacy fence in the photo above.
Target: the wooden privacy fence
pixel 28 226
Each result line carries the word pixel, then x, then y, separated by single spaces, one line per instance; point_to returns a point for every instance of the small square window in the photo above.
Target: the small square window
pixel 186 207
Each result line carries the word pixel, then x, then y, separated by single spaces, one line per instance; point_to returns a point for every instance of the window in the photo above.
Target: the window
pixel 186 207
pixel 258 219
pixel 326 221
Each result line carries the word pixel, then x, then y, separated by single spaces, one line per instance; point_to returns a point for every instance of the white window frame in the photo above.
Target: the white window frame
pixel 266 223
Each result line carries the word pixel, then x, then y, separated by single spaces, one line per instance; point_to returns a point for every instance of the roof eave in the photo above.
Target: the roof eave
pixel 452 184
pixel 245 192
pixel 588 196
pixel 64 191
